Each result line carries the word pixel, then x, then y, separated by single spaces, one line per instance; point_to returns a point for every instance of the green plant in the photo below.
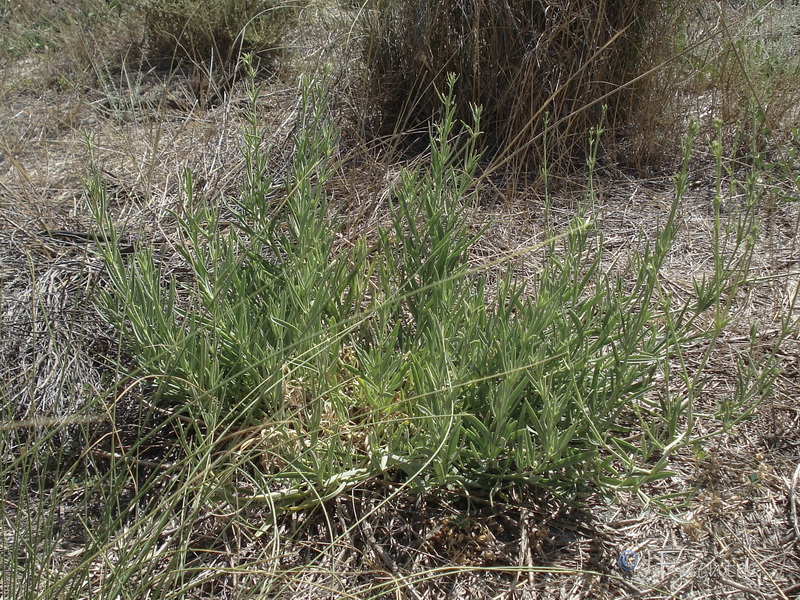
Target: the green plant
pixel 276 368
pixel 549 382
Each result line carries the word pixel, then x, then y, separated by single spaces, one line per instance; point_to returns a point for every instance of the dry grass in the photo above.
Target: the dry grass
pixel 736 537
pixel 218 30
pixel 542 72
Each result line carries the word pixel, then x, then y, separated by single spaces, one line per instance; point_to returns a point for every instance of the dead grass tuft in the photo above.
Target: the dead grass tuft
pixel 541 71
pixel 218 30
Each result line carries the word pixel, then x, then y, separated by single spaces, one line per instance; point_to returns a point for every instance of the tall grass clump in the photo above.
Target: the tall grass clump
pixel 83 39
pixel 218 30
pixel 319 365
pixel 532 66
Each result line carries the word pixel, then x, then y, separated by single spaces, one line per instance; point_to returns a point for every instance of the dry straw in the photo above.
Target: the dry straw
pixel 201 30
pixel 542 71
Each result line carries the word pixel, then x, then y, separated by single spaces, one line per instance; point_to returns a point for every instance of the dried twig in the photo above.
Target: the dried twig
pixel 793 502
